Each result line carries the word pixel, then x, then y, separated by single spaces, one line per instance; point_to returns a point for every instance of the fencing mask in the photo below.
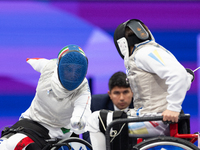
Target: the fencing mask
pixel 139 34
pixel 72 66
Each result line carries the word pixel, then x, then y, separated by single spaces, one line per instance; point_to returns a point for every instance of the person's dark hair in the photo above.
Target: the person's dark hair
pixel 118 79
pixel 128 32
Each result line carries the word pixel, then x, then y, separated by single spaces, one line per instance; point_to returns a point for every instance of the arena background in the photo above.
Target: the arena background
pixel 41 28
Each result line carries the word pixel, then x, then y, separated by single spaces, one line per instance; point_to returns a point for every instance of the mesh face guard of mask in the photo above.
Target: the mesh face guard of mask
pixel 72 66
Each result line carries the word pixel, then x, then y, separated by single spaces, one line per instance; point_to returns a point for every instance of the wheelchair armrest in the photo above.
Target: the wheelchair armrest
pixel 136 119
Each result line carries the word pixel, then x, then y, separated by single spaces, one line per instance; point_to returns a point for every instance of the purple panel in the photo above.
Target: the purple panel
pixel 156 15
pixel 9 86
pixel 198 73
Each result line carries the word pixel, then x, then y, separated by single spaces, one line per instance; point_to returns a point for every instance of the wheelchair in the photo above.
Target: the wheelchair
pixel 178 140
pixel 71 143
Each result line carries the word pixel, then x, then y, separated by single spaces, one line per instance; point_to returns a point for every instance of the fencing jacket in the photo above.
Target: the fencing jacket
pixel 54 106
pixel 157 79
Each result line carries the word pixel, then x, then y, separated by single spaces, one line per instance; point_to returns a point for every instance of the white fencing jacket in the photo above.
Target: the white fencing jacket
pixel 157 79
pixel 53 106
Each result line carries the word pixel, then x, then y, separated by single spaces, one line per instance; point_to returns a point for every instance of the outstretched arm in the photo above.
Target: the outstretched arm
pixel 37 63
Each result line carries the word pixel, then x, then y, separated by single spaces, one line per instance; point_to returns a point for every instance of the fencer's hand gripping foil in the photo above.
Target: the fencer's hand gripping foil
pixel 192 72
pixel 79 125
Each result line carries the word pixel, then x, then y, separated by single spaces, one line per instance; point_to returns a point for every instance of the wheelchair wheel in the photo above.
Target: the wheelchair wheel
pixel 72 143
pixel 165 143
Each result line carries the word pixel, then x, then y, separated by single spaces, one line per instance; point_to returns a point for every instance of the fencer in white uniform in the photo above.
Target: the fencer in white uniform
pixel 159 82
pixel 62 100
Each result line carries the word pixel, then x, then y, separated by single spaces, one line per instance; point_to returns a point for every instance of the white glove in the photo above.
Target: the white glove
pixel 191 73
pixel 77 124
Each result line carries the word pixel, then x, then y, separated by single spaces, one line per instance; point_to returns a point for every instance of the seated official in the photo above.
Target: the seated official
pixel 119 97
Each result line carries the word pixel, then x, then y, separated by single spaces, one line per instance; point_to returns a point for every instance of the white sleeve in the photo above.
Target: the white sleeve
pixel 166 66
pixel 98 140
pixel 37 63
pixel 93 122
pixel 82 108
pixel 82 104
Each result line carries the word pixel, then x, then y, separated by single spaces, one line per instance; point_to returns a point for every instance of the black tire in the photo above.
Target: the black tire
pixel 165 142
pixel 69 140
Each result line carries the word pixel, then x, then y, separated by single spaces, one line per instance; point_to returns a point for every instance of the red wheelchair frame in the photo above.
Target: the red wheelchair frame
pixel 173 128
pixel 174 133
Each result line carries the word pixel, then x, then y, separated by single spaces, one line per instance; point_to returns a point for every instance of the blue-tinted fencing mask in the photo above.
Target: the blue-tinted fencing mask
pixel 72 66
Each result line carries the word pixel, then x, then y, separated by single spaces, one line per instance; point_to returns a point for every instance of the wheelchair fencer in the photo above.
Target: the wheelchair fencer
pixel 180 137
